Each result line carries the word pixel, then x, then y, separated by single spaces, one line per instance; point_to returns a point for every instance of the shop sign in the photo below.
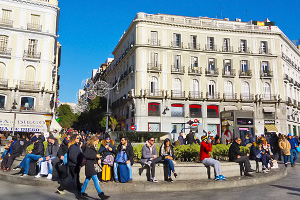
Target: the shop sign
pixel 269 121
pixel 244 121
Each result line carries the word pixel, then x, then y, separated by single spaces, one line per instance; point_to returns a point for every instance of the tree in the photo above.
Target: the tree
pixel 67 117
pixel 112 123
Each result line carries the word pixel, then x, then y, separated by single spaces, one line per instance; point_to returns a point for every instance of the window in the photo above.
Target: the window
pixel 153 86
pixel 245 91
pixel 226 44
pixel 195 111
pixel 30 74
pixel 243 46
pixel 211 89
pixel 176 40
pixel 27 103
pixel 35 21
pixel 265 66
pixel 263 47
pixel 6 17
pixel 177 61
pixel 153 109
pixel 177 110
pixel 213 111
pixel 193 42
pixel 153 127
pixel 266 91
pixel 244 65
pixel 210 43
pixel 227 67
pixel 32 47
pixel 211 64
pixel 154 59
pixel 195 85
pixel 177 88
pixel 2 101
pixel 154 38
pixel 194 63
pixel 2 71
pixel 3 43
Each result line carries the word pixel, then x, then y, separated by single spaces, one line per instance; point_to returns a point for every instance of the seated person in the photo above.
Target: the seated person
pixel 13 152
pixel 149 156
pixel 34 155
pixel 126 146
pixel 107 149
pixel 262 156
pixel 235 155
pixel 167 153
pixel 205 148
pixel 50 154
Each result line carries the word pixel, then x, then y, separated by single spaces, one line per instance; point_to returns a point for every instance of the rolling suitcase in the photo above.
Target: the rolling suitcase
pixel 106 173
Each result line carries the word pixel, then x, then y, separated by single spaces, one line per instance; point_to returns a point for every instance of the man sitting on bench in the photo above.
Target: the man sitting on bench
pixel 205 148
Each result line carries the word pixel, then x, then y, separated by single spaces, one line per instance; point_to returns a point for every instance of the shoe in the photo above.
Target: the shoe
pixel 17 168
pixel 140 171
pixel 251 170
pixel 103 196
pixel 49 177
pixel 154 180
pixel 265 171
pixel 80 196
pixel 223 177
pixel 217 178
pixel 248 174
pixel 130 181
pixel 117 181
pixel 285 164
pixel 60 191
pixel 148 163
pixel 170 180
pixel 7 170
pixel 84 194
pixel 175 175
pixel 24 175
pixel 38 176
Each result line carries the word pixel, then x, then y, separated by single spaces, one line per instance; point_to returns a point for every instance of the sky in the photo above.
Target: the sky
pixel 89 30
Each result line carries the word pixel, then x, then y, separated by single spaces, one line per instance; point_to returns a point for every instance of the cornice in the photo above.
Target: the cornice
pixel 35 3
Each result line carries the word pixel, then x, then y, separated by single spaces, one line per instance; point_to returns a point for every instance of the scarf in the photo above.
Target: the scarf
pixel 11 146
pixel 150 147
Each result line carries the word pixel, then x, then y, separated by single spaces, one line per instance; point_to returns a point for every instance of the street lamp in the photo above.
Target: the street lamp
pixel 14 108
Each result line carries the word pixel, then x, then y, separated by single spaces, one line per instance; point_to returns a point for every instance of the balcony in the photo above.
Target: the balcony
pixel 34 27
pixel 227 49
pixel 230 96
pixel 289 101
pixel 247 97
pixel 228 73
pixel 243 50
pixel 295 103
pixel 264 51
pixel 213 96
pixel 291 80
pixel 29 85
pixel 154 42
pixel 5 51
pixel 176 69
pixel 195 95
pixel 212 72
pixel 155 93
pixel 195 71
pixel 268 97
pixel 266 74
pixel 32 55
pixel 3 83
pixel 6 23
pixel 195 46
pixel 210 47
pixel 245 73
pixel 285 77
pixel 175 94
pixel 154 67
pixel 177 44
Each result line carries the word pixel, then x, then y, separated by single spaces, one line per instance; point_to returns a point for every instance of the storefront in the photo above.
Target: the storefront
pixel 237 123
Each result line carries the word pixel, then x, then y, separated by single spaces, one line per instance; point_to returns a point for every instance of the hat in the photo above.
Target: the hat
pixel 51 136
pixel 204 137
pixel 289 134
pixel 34 139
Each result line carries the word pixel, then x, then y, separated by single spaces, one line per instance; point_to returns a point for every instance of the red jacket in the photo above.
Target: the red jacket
pixel 204 150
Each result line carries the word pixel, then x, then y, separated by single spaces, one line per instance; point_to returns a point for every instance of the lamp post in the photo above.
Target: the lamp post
pixel 13 108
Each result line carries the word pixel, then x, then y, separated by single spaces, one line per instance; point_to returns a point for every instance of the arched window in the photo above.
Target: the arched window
pixel 177 88
pixel 153 109
pixel 245 91
pixel 30 74
pixel 153 86
pixel 266 91
pixel 195 88
pixel 211 89
pixel 2 71
pixel 228 89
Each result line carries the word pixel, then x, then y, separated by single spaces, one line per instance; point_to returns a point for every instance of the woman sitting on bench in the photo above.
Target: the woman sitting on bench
pixel 167 154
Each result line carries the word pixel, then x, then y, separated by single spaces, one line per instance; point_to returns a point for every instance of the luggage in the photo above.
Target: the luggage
pixel 124 173
pixel 106 173
pixel 44 168
pixel 33 169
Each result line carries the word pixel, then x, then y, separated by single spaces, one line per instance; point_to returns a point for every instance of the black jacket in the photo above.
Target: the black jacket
pixel 234 151
pixel 63 149
pixel 190 138
pixel 52 149
pixel 90 155
pixel 16 149
pixel 105 152
pixel 129 151
pixel 75 155
pixel 38 148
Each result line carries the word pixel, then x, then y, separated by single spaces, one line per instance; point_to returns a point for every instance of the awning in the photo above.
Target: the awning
pixel 6 121
pixel 271 128
pixel 30 123
pixel 230 108
pixel 247 108
pixel 269 109
pixel 55 126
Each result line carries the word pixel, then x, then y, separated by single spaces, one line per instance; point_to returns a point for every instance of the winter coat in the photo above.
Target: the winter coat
pixel 293 143
pixel 146 155
pixel 205 148
pixel 163 153
pixel 285 147
pixel 129 151
pixel 190 138
pixel 52 149
pixel 75 155
pixel 90 155
pixel 181 140
pixel 38 148
pixel 105 151
pixel 234 151
pixel 63 149
pixel 16 149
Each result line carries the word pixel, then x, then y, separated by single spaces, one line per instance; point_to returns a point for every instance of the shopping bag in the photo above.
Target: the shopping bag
pixel 44 168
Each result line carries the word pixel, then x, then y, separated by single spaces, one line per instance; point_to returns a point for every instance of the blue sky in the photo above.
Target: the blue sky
pixel 89 30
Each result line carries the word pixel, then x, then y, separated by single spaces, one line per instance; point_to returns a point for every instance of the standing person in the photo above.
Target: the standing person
pixel 167 153
pixel 190 138
pixel 126 146
pixel 14 151
pixel 285 147
pixel 294 144
pixel 235 155
pixel 181 139
pixel 75 157
pixel 274 145
pixel 205 148
pixel 92 158
pixel 150 157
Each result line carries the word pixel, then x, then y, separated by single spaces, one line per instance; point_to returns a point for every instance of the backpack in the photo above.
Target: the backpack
pixel 121 157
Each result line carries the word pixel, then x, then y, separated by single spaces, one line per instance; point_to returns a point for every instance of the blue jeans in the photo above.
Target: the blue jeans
pixel 50 167
pixel 285 158
pixel 170 166
pixel 4 153
pixel 294 155
pixel 116 165
pixel 96 183
pixel 30 157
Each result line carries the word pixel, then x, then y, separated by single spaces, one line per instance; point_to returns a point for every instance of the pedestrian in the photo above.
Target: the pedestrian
pixel 285 147
pixel 190 138
pixel 150 156
pixel 181 139
pixel 294 144
pixel 166 152
pixel 92 159
pixel 205 148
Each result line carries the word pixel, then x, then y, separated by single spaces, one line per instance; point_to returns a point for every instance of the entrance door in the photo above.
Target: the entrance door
pixel 243 132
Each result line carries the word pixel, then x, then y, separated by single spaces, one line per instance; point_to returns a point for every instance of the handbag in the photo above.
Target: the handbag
pixel 298 149
pixel 98 168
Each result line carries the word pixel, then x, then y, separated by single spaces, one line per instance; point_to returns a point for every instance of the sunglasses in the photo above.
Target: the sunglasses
pixel 151 140
pixel 107 139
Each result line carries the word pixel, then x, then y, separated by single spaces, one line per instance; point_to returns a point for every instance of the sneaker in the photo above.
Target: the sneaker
pixel 38 176
pixel 60 191
pixel 170 180
pixel 223 177
pixel 103 196
pixel 148 163
pixel 16 168
pixel 285 164
pixel 265 171
pixel 85 194
pixel 154 180
pixel 49 177
pixel 248 174
pixel 24 175
pixel 130 181
pixel 217 178
pixel 175 175
pixel 81 196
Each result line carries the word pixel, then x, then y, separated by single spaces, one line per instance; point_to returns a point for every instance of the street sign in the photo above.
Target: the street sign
pixel 133 127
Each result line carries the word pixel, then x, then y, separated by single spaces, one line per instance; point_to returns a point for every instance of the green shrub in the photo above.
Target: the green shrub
pixel 187 152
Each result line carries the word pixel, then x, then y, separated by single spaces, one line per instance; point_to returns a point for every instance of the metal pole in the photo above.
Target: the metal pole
pixel 107 115
pixel 13 133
